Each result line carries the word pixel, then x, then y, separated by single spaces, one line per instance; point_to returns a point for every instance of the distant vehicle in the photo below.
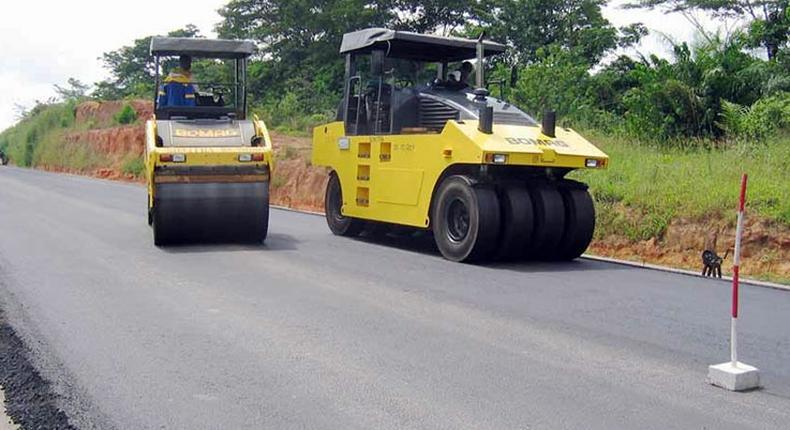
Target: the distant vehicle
pixel 485 177
pixel 207 165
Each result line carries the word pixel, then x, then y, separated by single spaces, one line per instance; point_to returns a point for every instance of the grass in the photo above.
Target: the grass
pixel 658 184
pixel 21 141
pixel 133 165
pixel 54 150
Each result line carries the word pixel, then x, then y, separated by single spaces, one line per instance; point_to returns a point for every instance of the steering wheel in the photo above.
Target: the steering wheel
pixel 402 82
pixel 217 95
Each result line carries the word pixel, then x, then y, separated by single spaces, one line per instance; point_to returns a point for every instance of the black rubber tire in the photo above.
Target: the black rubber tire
pixel 163 234
pixel 261 223
pixel 579 223
pixel 150 211
pixel 333 202
pixel 549 211
pixel 478 240
pixel 518 221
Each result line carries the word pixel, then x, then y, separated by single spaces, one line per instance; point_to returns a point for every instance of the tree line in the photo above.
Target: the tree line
pixel 721 85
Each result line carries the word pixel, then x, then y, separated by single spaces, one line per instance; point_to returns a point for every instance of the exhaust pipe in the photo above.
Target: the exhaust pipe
pixel 549 123
pixel 486 122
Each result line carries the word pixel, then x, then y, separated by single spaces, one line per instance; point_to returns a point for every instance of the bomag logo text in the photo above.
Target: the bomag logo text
pixel 208 133
pixel 538 142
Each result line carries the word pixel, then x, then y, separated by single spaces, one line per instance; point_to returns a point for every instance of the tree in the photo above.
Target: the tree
pixel 74 91
pixel 132 67
pixel 299 40
pixel 769 19
pixel 577 25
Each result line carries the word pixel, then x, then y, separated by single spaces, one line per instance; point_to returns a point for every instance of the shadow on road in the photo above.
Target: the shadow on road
pixel 274 242
pixel 421 242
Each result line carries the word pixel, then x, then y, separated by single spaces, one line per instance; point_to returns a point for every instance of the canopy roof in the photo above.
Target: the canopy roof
pixel 415 46
pixel 207 48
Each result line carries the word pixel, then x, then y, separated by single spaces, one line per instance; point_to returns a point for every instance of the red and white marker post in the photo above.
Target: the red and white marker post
pixel 734 375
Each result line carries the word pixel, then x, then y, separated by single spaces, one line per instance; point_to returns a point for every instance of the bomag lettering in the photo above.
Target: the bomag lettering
pixel 531 141
pixel 207 133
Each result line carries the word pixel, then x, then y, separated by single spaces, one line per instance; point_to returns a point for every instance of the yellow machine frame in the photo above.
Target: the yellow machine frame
pixel 392 178
pixel 205 156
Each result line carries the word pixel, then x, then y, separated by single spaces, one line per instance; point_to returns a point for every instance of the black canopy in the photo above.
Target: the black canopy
pixel 207 48
pixel 415 46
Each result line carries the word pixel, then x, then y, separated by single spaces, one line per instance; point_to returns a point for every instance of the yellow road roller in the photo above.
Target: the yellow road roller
pixel 415 144
pixel 207 165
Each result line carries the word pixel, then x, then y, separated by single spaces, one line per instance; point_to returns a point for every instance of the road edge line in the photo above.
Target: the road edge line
pixel 659 268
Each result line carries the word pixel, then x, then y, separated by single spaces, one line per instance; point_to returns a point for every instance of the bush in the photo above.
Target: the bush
pixel 758 121
pixel 133 166
pixel 21 140
pixel 127 115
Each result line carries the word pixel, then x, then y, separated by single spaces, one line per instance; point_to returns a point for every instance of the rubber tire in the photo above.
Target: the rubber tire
pixel 150 211
pixel 333 201
pixel 579 223
pixel 261 225
pixel 549 211
pixel 518 221
pixel 484 220
pixel 162 235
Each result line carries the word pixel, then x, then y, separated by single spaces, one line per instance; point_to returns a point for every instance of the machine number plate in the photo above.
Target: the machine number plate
pixel 404 147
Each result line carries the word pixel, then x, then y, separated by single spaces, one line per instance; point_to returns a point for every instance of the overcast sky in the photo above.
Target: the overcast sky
pixel 45 42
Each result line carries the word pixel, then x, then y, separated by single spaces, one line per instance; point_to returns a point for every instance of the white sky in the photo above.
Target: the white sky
pixel 45 42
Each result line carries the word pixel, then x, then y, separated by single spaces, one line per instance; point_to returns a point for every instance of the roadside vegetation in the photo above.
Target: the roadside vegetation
pixel 659 183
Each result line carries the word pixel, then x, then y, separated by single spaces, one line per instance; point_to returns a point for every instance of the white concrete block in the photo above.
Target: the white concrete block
pixel 740 377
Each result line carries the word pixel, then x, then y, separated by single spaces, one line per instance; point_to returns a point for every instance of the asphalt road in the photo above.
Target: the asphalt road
pixel 320 332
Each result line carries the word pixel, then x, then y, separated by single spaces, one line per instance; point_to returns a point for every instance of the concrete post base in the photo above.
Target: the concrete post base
pixel 734 378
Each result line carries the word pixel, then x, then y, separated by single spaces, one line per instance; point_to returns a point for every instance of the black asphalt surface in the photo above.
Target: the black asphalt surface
pixel 313 331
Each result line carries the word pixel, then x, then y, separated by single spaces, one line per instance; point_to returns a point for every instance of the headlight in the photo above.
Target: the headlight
pixel 496 158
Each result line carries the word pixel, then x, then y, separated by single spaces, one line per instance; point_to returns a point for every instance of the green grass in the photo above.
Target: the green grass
pixel 54 150
pixel 658 184
pixel 133 165
pixel 21 141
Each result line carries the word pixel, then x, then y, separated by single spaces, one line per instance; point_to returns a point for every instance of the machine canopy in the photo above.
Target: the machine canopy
pixel 415 46
pixel 205 48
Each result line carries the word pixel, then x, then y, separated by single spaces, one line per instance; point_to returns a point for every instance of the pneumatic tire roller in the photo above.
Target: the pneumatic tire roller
pixel 485 178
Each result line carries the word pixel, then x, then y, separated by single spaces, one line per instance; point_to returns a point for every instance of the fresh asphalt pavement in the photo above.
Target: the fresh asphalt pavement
pixel 321 332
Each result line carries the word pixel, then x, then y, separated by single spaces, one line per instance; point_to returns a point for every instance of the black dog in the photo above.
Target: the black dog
pixel 711 263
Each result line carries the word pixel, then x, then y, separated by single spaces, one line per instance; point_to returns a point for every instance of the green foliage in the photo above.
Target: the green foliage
pixel 658 183
pixel 133 166
pixel 132 68
pixel 530 25
pixel 53 150
pixel 289 115
pixel 20 141
pixel 127 115
pixel 756 122
pixel 769 20
pixel 75 90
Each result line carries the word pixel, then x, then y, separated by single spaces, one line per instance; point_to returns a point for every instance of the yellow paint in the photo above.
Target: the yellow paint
pixel 400 172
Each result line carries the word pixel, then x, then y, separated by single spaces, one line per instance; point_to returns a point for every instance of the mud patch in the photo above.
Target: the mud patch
pixel 30 401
